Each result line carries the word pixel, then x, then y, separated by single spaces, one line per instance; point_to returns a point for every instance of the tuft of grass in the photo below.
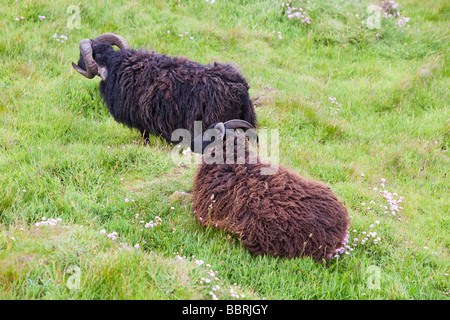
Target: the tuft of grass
pixel 68 261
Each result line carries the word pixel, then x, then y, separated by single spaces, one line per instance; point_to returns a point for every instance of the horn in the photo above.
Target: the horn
pixel 236 123
pixel 242 124
pixel 86 53
pixel 114 39
pixel 221 127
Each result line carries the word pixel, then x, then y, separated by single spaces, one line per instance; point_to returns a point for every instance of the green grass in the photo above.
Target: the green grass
pixel 63 156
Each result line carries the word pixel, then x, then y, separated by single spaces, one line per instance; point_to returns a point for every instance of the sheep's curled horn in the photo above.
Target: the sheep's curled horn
pixel 85 46
pixel 222 127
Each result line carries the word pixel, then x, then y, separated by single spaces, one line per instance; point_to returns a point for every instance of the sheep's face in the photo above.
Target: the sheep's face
pixel 216 135
pixel 100 53
pixel 213 136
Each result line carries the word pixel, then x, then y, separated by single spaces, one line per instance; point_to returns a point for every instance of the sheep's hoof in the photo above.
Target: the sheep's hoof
pixel 145 138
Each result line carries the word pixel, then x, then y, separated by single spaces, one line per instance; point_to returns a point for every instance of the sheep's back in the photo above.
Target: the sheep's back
pixel 158 94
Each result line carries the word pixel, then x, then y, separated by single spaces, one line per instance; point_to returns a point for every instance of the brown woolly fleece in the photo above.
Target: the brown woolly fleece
pixel 282 214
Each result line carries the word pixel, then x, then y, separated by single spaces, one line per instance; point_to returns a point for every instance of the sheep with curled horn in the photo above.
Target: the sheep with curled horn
pixel 279 214
pixel 157 94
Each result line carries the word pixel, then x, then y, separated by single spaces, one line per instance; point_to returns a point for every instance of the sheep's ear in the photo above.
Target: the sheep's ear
pixel 221 127
pixel 102 72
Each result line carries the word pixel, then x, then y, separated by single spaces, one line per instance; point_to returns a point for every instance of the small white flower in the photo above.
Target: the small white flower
pixel 149 225
pixel 214 297
pixel 199 262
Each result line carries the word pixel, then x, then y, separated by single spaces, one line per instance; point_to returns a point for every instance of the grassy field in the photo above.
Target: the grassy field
pixel 360 104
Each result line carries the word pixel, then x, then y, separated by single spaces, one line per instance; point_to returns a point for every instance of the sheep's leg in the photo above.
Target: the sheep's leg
pixel 145 137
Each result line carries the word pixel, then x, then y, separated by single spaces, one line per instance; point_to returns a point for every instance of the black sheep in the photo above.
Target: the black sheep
pixel 157 94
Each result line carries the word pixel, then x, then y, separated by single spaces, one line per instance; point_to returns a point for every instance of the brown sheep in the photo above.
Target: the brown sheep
pixel 281 214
